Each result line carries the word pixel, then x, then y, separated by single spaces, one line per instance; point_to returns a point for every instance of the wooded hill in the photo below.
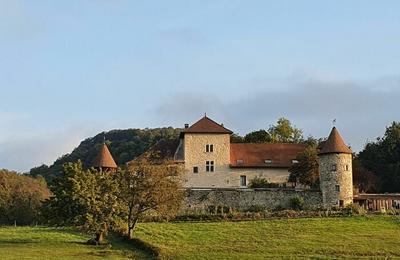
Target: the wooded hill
pixel 124 145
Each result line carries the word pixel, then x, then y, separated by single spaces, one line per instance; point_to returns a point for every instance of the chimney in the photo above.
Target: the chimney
pixel 222 125
pixel 186 126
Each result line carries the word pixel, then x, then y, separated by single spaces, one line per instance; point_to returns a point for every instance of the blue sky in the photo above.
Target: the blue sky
pixel 70 69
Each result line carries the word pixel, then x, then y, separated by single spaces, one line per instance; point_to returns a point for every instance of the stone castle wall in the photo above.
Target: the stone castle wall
pixel 342 177
pixel 223 176
pixel 200 200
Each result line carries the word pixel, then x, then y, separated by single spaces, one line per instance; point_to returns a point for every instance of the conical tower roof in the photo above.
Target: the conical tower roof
pixel 335 144
pixel 104 159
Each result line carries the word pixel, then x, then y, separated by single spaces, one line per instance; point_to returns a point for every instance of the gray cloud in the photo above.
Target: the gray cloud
pixel 362 109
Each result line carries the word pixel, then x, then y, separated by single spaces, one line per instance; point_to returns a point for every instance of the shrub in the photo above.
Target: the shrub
pixel 262 183
pixel 297 203
pixel 354 209
pixel 256 208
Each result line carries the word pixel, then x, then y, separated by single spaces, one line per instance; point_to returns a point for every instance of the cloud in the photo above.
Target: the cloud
pixel 30 151
pixel 362 109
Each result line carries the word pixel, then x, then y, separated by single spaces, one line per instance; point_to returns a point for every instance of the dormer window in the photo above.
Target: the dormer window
pixel 239 161
pixel 209 148
pixel 295 161
pixel 267 161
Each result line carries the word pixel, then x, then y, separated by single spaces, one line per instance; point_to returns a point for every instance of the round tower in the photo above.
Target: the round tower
pixel 335 171
pixel 104 160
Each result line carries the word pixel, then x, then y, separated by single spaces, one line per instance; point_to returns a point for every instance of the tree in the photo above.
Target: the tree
pixel 96 191
pixel 21 198
pixel 63 208
pixel 260 136
pixel 365 180
pixel 149 185
pixel 382 158
pixel 305 171
pixel 284 132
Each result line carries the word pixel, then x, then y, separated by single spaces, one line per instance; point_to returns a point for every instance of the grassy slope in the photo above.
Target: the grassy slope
pixel 330 237
pixel 52 243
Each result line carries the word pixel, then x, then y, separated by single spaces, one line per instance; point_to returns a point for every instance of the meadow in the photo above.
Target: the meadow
pixel 349 237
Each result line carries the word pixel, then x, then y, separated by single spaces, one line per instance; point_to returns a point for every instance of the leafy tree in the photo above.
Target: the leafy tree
pixel 306 170
pixel 382 158
pixel 365 180
pixel 149 185
pixel 260 136
pixel 21 198
pixel 63 207
pixel 284 132
pixel 96 191
pixel 236 138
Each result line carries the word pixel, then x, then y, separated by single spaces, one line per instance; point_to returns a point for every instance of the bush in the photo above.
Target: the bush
pixel 297 203
pixel 262 183
pixel 354 209
pixel 256 208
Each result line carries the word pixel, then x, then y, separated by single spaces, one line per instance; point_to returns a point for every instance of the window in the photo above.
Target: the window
pixel 209 166
pixel 295 161
pixel 341 203
pixel 243 181
pixel 195 169
pixel 268 161
pixel 337 188
pixel 209 148
pixel 346 167
pixel 239 161
pixel 333 167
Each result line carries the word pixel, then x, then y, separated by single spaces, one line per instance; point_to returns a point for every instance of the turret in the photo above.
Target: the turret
pixel 335 169
pixel 104 160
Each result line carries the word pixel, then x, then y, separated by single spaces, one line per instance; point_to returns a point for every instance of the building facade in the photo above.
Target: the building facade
pixel 211 160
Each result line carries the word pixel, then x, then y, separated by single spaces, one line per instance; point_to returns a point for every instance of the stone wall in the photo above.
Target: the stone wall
pixel 200 200
pixel 336 185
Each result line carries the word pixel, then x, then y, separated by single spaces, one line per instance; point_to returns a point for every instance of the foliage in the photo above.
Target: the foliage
pixel 63 208
pixel 152 187
pixel 21 198
pixel 305 171
pixel 236 138
pixel 297 203
pixel 96 192
pixel 382 158
pixel 124 145
pixel 284 132
pixel 260 136
pixel 355 209
pixel 363 179
pixel 258 182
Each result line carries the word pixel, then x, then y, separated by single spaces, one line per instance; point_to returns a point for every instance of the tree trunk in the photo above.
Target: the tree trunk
pixel 131 228
pixel 99 237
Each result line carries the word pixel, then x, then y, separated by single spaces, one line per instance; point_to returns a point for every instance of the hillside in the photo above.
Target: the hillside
pixel 124 145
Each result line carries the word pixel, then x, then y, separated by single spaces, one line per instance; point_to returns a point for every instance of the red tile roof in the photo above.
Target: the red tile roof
pixel 254 155
pixel 104 159
pixel 207 125
pixel 335 144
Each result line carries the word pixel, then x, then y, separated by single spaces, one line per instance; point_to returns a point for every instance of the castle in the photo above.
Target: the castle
pixel 218 172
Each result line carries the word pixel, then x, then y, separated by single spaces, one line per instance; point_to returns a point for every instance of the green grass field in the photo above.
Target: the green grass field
pixel 353 237
pixel 54 243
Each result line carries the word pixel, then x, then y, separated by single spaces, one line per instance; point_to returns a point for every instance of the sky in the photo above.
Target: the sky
pixel 71 69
